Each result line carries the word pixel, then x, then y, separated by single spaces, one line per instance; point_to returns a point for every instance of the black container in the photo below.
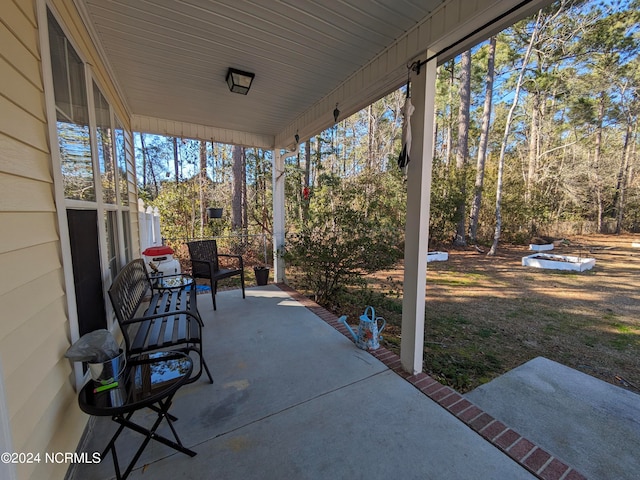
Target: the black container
pixel 214 212
pixel 262 275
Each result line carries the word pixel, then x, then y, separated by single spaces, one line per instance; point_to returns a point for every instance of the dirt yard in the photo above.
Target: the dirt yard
pixel 487 315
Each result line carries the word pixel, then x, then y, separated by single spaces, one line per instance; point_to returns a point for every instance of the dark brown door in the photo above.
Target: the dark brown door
pixel 85 254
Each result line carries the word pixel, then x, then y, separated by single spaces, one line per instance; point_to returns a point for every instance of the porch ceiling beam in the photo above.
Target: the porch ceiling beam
pixel 161 126
pixel 454 27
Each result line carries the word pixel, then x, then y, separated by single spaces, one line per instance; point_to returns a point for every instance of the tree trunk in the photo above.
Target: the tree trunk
pixel 307 176
pixel 318 162
pixel 533 146
pixel 621 184
pixel 144 161
pixel 202 176
pixel 299 190
pixel 149 166
pixel 260 212
pixel 436 115
pixel 176 160
pixel 435 132
pixel 245 222
pixel 505 137
pixel 463 146
pixel 236 200
pixel 372 132
pixel 596 161
pixel 484 139
pixel 448 133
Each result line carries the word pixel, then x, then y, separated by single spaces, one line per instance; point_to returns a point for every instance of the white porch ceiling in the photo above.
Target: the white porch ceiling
pixel 170 58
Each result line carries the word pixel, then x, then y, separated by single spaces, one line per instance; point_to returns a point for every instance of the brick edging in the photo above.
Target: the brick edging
pixel 530 456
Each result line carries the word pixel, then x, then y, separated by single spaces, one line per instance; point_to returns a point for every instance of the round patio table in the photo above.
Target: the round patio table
pixel 148 381
pixel 171 282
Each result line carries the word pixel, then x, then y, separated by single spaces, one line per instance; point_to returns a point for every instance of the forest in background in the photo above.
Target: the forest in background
pixel 536 134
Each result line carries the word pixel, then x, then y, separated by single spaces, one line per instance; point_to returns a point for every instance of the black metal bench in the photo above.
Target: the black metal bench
pixel 170 321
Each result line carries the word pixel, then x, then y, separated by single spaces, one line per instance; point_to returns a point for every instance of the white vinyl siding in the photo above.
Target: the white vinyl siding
pixel 41 401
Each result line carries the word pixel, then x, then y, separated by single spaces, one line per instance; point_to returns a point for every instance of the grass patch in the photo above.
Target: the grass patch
pixel 461 369
pixel 459 280
pixel 486 332
pixel 622 328
pixel 590 341
pixel 620 342
pixel 453 320
pixel 610 316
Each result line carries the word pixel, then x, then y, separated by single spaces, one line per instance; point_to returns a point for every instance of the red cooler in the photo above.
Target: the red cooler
pixel 162 258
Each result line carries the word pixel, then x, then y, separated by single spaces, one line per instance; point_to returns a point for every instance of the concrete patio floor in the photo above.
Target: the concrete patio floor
pixel 594 424
pixel 294 398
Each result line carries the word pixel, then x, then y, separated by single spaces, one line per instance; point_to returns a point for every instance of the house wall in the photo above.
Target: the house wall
pixel 39 382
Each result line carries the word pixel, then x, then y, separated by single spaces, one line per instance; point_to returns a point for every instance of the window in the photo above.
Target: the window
pixel 105 146
pixel 72 116
pixel 111 227
pixel 126 227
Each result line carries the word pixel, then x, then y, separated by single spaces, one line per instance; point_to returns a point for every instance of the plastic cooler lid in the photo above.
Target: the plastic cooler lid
pixel 155 251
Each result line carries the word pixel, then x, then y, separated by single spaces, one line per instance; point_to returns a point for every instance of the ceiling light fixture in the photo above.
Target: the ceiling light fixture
pixel 336 112
pixel 239 81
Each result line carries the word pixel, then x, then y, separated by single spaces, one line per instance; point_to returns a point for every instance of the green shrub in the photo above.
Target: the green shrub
pixel 340 241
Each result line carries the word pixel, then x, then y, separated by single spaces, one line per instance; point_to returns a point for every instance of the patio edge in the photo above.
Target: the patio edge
pixel 535 459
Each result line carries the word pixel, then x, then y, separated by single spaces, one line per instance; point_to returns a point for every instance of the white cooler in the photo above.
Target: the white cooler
pixel 162 258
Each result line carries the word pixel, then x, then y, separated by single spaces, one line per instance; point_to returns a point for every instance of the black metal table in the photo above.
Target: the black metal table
pixel 149 381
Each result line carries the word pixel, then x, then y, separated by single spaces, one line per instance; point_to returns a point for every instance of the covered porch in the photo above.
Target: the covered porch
pixel 312 65
pixel 292 394
pixel 295 398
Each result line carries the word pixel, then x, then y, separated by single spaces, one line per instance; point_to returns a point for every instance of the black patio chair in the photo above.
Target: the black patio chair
pixel 204 262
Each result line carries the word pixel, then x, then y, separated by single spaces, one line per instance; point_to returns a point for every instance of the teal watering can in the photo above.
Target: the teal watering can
pixel 368 336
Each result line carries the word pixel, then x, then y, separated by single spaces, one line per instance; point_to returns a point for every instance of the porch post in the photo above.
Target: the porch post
pixel 417 228
pixel 278 215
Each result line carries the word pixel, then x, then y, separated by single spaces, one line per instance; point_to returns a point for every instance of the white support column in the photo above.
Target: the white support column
pixel 278 216
pixel 417 229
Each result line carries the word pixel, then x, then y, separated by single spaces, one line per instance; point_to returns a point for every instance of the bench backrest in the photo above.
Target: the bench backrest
pixel 128 290
pixel 206 250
